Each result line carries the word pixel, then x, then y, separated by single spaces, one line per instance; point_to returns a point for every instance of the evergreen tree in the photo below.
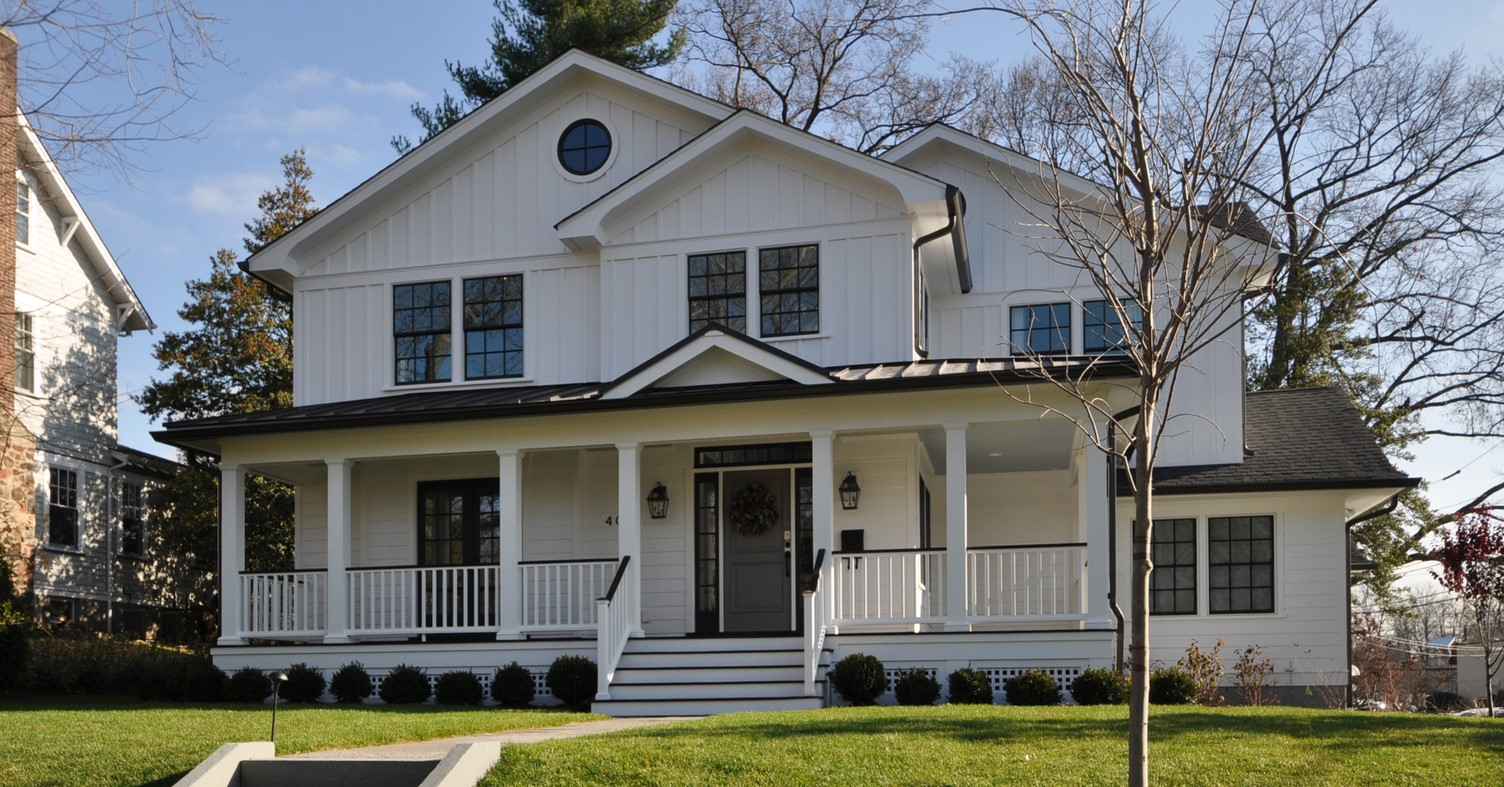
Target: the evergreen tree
pixel 531 33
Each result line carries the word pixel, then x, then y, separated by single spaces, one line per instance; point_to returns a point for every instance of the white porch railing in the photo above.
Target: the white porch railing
pixel 561 596
pixel 889 586
pixel 1038 582
pixel 817 615
pixel 615 613
pixel 437 599
pixel 284 604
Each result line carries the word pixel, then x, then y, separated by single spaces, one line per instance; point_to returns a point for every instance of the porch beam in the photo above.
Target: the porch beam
pixel 338 616
pixel 231 552
pixel 956 583
pixel 629 502
pixel 509 581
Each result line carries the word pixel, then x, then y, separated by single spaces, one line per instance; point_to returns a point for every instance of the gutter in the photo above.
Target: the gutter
pixel 277 293
pixel 1394 502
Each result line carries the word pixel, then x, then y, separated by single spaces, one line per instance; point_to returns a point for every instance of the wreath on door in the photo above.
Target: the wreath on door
pixel 754 510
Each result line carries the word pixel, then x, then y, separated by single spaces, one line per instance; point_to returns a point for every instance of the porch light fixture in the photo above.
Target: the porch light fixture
pixel 658 502
pixel 851 494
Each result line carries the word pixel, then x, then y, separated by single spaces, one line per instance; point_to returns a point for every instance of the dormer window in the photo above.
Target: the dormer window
pixel 584 147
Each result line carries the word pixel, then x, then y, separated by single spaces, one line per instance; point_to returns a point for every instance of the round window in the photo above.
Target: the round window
pixel 584 147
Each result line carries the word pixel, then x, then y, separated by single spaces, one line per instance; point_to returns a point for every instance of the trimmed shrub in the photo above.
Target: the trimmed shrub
pixel 91 664
pixel 970 687
pixel 248 684
pixel 1100 686
pixel 351 683
pixel 304 684
pixel 405 685
pixel 512 686
pixel 1172 686
pixel 15 633
pixel 1034 687
pixel 458 688
pixel 859 678
pixel 916 687
pixel 204 682
pixel 572 680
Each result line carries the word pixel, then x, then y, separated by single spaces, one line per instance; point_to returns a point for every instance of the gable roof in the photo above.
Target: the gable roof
pixel 271 261
pixel 1301 438
pixel 130 314
pixel 775 364
pixel 920 192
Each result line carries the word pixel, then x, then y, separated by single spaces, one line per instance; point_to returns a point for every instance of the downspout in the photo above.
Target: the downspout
pixel 1394 502
pixel 1112 532
pixel 955 204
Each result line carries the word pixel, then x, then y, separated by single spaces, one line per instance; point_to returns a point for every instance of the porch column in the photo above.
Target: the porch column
pixel 629 527
pixel 1092 486
pixel 955 527
pixel 338 616
pixel 823 473
pixel 231 551
pixel 509 523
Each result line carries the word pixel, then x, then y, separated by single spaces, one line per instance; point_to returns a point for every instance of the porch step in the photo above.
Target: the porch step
pixel 701 677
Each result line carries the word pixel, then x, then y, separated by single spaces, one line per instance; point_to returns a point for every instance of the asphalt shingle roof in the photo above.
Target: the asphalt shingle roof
pixel 1303 438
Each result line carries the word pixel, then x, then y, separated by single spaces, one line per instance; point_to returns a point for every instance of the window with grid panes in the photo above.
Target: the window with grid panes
pixel 420 328
pixel 23 213
pixel 1101 331
pixel 62 507
pixel 789 290
pixel 26 353
pixel 1043 328
pixel 718 290
pixel 1240 564
pixel 1172 585
pixel 132 520
pixel 459 522
pixel 493 327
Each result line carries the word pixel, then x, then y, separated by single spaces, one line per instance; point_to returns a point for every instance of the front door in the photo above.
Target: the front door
pixel 758 528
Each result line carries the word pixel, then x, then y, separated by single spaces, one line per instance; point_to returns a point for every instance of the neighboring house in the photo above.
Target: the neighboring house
pixel 74 528
pixel 608 339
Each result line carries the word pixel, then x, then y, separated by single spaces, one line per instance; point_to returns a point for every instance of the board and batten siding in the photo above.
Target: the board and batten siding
pixel 1306 636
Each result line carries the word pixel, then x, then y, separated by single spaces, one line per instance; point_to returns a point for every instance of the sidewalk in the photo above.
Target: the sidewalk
pixel 437 748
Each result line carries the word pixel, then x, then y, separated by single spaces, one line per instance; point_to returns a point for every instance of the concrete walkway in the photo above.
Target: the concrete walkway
pixel 436 749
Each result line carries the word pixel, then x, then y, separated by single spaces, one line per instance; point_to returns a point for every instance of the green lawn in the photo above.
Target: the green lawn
pixel 107 741
pixel 961 745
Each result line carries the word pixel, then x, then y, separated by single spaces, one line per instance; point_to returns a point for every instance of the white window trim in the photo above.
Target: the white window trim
pixel 1204 572
pixel 558 136
pixel 31 206
pixel 80 481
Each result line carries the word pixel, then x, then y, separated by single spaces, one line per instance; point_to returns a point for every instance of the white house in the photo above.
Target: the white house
pixel 609 368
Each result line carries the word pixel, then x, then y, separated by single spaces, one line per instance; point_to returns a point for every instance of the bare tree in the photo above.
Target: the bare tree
pixel 99 79
pixel 844 69
pixel 1145 193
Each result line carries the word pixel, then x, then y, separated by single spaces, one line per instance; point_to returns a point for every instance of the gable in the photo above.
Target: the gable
pixel 715 356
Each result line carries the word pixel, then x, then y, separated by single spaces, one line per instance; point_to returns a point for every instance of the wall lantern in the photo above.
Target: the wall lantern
pixel 851 494
pixel 658 502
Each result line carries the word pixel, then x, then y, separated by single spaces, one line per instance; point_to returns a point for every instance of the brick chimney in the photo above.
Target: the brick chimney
pixel 17 445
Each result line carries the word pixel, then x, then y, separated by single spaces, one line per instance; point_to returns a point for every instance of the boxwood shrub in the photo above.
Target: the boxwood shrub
pixel 1172 686
pixel 351 683
pixel 859 678
pixel 1100 686
pixel 970 687
pixel 572 680
pixel 460 687
pixel 248 684
pixel 405 685
pixel 1034 687
pixel 916 686
pixel 304 684
pixel 512 686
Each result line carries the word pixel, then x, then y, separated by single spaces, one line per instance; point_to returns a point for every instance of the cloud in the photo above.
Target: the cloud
pixel 234 194
pixel 395 88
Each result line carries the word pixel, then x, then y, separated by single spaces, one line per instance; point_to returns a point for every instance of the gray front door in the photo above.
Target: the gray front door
pixel 759 588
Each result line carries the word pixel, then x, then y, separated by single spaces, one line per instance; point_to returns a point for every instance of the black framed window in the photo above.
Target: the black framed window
pixel 493 327
pixel 584 147
pixel 62 507
pixel 420 326
pixel 26 353
pixel 459 522
pixel 789 287
pixel 1043 328
pixel 718 290
pixel 132 519
pixel 1101 331
pixel 1172 586
pixel 1240 564
pixel 755 454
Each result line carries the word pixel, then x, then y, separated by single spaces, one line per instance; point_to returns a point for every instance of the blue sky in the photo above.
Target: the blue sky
pixel 337 78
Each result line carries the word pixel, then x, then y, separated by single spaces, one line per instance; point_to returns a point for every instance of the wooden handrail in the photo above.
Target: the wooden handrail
pixel 621 571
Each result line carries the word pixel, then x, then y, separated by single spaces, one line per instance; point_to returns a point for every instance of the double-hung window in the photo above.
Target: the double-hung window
pixel 1240 564
pixel 26 353
pixel 1101 330
pixel 493 327
pixel 23 213
pixel 62 508
pixel 420 327
pixel 1172 585
pixel 789 286
pixel 459 522
pixel 132 520
pixel 718 290
pixel 1041 329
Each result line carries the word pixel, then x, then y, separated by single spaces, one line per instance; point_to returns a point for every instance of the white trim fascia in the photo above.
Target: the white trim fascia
pixel 77 225
pixel 587 227
pixel 1012 159
pixel 673 362
pixel 282 255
